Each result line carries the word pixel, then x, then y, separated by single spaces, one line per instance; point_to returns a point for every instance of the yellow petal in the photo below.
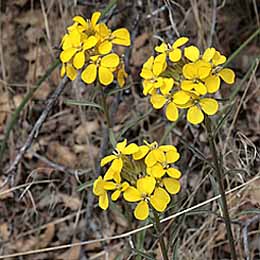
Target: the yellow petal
pixel 117 164
pixel 209 106
pixel 90 43
pixel 212 83
pixel 167 85
pixel 189 71
pixel 130 149
pixel 110 60
pixel 121 37
pixel 75 38
pixel 172 113
pixel 179 42
pixel 89 74
pixel 159 155
pixel 174 173
pixel 227 75
pixel 67 54
pixel 161 48
pixel 149 63
pixel 200 88
pixel 150 159
pixel 157 170
pixel 160 199
pixel 124 186
pixel 62 70
pixel 159 63
pixel 103 201
pixel 105 47
pixel 94 18
pixel 208 54
pixel 109 175
pixel 115 195
pixel 79 60
pixel 109 185
pixel 121 146
pixel 98 186
pixel 192 53
pixel 105 76
pixel 132 194
pixel 158 101
pixel 71 72
pixel 218 58
pixel 141 211
pixel 102 31
pixel 180 97
pixel 204 69
pixel 175 55
pixel 195 115
pixel 172 186
pixel 187 85
pixel 172 156
pixel 107 160
pixel 146 74
pixel 141 153
pixel 146 185
pixel 80 20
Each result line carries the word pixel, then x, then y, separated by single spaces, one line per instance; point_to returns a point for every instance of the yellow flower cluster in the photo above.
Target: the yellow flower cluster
pixel 88 46
pixel 183 79
pixel 143 174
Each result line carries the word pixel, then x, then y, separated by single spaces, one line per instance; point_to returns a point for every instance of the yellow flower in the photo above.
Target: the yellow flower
pixel 100 189
pixel 145 193
pixel 69 70
pixel 194 74
pixel 119 188
pixel 196 106
pixel 117 161
pixel 103 66
pixel 172 101
pixel 107 38
pixel 173 51
pixel 151 71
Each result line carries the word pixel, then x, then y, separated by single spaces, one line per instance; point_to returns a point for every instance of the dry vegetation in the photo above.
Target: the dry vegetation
pixel 48 202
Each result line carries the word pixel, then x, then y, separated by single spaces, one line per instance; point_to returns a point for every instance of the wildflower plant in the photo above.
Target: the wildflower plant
pixel 144 175
pixel 87 49
pixel 179 79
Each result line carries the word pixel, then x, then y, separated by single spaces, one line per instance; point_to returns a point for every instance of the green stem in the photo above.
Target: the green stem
pixel 107 117
pixel 219 178
pixel 157 230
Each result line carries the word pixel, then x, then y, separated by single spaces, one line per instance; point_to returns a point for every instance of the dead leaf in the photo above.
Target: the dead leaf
pixel 70 202
pixel 61 154
pixel 4 232
pixel 72 253
pixel 43 92
pixel 47 236
pixel 85 129
pixel 4 107
pixel 5 193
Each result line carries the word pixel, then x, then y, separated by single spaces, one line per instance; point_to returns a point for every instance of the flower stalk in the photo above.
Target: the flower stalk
pixel 219 177
pixel 157 230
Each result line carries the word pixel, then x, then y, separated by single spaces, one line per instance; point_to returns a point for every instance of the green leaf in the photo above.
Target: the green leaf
pixel 248 212
pixel 82 103
pixel 85 185
pixel 117 90
pixel 140 253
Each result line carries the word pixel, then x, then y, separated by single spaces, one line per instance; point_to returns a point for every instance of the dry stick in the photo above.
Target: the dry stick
pixel 245 234
pixel 35 131
pixel 131 232
pixel 219 178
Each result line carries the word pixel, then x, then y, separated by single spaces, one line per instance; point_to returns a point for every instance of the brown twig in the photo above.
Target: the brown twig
pixel 245 235
pixel 35 131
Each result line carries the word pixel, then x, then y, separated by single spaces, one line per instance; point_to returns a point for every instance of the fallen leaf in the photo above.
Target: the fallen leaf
pixel 47 236
pixel 70 202
pixel 61 154
pixel 4 232
pixel 72 253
